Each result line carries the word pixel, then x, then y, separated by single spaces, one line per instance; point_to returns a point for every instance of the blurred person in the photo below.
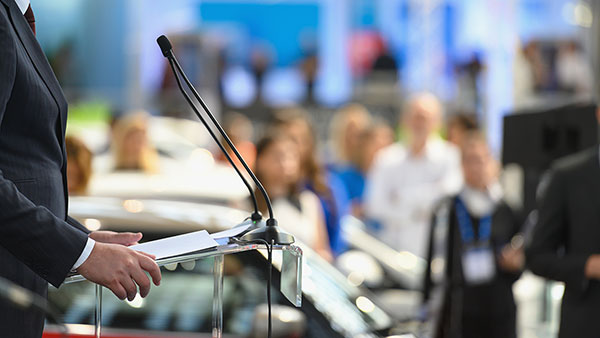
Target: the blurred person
pixel 297 210
pixel 309 66
pixel 468 77
pixel 523 87
pixel 384 69
pixel 261 61
pixel 39 242
pixel 364 49
pixel 407 179
pixel 458 125
pixel 354 174
pixel 130 144
pixel 314 177
pixel 240 131
pixel 378 136
pixel 79 165
pixel 539 66
pixel 565 241
pixel 385 62
pixel 573 71
pixel 474 254
pixel 345 129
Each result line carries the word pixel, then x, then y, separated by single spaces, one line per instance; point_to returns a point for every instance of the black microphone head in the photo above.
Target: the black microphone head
pixel 165 45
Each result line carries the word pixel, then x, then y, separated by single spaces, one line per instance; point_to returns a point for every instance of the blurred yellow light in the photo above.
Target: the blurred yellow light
pixel 189 266
pixel 364 304
pixel 583 14
pixel 557 291
pixel 137 302
pixel 92 224
pixel 406 260
pixel 437 265
pixel 289 315
pixel 133 206
pixel 171 267
pixel 578 13
pixel 80 329
pixel 356 278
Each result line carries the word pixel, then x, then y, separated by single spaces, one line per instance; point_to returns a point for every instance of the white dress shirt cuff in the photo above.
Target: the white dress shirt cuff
pixel 85 254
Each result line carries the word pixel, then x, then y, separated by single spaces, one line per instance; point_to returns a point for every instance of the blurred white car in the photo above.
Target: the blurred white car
pixel 331 307
pixel 187 168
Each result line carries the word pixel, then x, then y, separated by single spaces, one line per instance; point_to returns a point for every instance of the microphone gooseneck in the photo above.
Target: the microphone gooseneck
pixel 256 215
pixel 270 233
pixel 173 59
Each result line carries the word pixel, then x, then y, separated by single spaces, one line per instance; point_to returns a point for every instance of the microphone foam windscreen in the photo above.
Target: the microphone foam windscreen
pixel 164 44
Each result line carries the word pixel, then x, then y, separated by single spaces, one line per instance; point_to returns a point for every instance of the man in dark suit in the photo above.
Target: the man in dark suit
pixel 39 243
pixel 565 245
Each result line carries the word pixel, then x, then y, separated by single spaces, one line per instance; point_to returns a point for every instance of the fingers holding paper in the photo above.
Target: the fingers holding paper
pixel 120 269
pixel 123 238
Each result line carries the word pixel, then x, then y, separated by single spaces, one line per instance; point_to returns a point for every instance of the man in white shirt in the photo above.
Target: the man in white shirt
pixel 408 178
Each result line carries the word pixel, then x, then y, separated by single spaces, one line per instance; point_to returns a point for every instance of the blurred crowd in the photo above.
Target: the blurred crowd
pixel 551 67
pixel 406 183
pixel 427 186
pixel 391 177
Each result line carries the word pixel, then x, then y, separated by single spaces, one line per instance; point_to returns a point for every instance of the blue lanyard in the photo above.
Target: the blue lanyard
pixel 466 226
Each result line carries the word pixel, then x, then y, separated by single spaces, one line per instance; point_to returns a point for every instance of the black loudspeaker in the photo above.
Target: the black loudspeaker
pixel 534 138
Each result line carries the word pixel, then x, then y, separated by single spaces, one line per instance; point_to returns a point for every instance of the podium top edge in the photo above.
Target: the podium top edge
pixel 226 249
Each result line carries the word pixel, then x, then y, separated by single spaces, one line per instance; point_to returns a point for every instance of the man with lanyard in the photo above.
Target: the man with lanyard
pixel 472 263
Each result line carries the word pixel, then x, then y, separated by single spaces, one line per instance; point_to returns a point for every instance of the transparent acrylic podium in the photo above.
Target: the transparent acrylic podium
pixel 290 286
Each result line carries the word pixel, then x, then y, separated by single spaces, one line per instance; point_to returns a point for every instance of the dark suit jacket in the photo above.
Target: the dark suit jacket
pixel 486 310
pixel 567 233
pixel 38 243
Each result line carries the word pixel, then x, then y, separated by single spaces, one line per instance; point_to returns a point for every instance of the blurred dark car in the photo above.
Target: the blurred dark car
pixel 332 306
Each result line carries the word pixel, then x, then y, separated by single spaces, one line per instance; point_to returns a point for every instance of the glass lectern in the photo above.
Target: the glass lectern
pixel 290 286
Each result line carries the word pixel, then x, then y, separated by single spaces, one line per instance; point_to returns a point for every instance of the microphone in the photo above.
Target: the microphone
pixel 166 48
pixel 271 233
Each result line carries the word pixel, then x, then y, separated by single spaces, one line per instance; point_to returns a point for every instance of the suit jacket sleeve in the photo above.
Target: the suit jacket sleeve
pixel 45 243
pixel 544 253
pixel 511 222
pixel 74 223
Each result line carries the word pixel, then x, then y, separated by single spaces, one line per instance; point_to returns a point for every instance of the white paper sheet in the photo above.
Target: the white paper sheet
pixel 231 232
pixel 177 245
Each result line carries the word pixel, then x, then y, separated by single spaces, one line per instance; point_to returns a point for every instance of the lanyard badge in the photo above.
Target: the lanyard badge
pixel 478 260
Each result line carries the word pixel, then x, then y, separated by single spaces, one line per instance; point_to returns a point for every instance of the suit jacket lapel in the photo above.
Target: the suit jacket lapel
pixel 37 57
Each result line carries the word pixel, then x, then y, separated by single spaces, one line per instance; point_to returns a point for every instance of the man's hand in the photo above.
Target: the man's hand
pixel 123 238
pixel 592 267
pixel 512 259
pixel 120 269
